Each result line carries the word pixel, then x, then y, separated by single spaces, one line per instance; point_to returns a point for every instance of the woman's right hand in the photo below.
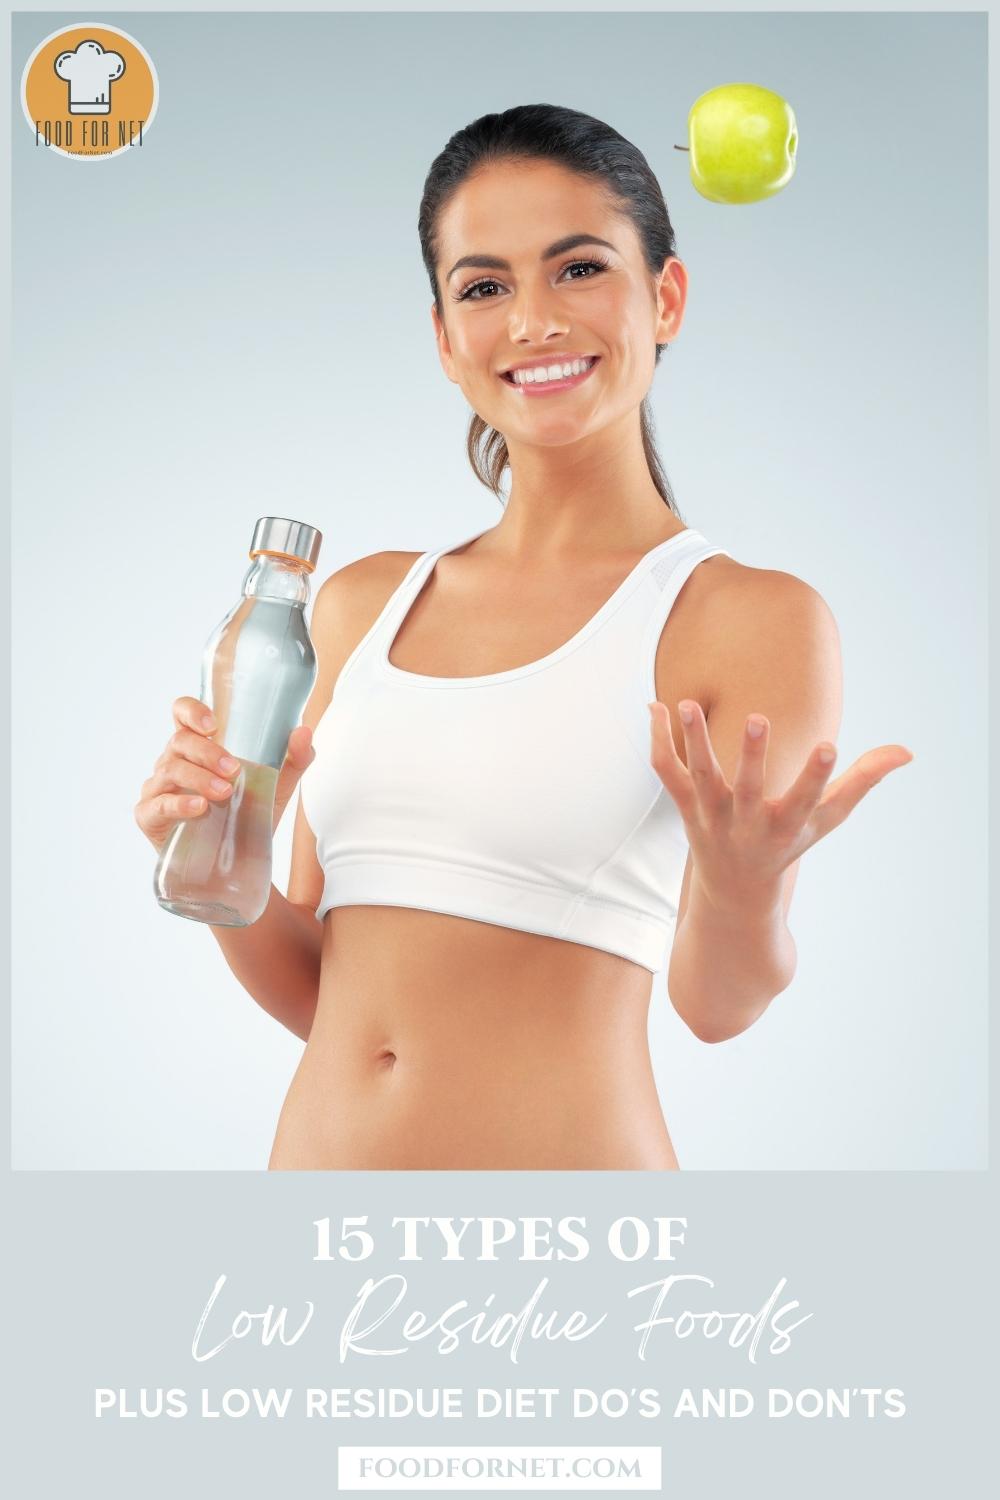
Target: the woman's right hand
pixel 193 772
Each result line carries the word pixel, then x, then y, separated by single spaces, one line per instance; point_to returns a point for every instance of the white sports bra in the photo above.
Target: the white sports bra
pixel 523 798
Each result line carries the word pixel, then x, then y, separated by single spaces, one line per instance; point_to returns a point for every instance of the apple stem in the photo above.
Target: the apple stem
pixel 682 148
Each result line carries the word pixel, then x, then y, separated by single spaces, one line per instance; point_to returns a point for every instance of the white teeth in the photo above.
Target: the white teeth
pixel 543 373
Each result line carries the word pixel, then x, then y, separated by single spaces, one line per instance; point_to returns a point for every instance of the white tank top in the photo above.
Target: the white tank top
pixel 523 798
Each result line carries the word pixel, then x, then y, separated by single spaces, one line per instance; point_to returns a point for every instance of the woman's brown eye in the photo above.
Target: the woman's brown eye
pixel 473 288
pixel 597 265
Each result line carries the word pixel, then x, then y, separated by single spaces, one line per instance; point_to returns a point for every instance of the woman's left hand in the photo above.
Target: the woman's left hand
pixel 741 841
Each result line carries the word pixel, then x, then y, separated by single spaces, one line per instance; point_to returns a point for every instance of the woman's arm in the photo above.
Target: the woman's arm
pixel 277 960
pixel 727 966
pixel 776 654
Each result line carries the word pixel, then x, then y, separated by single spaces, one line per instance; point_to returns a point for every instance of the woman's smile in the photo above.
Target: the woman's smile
pixel 536 387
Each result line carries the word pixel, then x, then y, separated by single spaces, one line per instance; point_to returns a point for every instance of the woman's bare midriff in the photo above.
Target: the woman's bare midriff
pixel 444 1043
pixel 532 1057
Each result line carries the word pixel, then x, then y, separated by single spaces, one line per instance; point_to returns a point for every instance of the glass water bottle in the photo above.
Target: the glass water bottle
pixel 258 670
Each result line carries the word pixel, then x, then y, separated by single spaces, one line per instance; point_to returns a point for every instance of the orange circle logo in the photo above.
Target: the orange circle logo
pixel 89 91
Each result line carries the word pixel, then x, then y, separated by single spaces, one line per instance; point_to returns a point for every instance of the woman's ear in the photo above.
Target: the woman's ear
pixel 671 299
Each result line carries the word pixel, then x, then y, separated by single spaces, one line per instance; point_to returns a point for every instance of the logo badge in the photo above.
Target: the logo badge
pixel 89 91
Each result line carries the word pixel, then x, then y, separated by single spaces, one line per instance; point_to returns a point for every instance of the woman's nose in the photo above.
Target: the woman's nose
pixel 535 316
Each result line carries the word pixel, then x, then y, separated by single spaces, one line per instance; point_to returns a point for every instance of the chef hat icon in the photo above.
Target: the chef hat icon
pixel 90 72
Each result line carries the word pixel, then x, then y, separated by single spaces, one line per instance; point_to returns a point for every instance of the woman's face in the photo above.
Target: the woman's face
pixel 544 308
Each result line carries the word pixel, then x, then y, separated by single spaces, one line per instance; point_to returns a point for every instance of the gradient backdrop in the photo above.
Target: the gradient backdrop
pixel 234 321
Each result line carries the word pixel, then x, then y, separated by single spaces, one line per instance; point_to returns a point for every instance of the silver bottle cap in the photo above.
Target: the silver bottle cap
pixel 279 537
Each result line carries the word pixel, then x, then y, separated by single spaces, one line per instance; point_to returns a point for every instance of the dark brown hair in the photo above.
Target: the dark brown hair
pixel 581 144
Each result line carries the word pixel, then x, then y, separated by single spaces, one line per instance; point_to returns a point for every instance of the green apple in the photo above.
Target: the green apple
pixel 742 139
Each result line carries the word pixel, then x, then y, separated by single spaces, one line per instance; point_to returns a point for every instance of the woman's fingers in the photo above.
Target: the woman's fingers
pixel 703 768
pixel 748 783
pixel 157 813
pixel 187 745
pixel 300 750
pixel 790 811
pixel 804 806
pixel 700 781
pixel 298 756
pixel 176 774
pixel 178 789
pixel 191 713
pixel 703 774
pixel 666 762
pixel 191 773
pixel 164 810
pixel 843 795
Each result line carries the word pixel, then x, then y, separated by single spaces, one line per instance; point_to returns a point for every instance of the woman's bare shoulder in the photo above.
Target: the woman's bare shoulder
pixel 731 620
pixel 364 586
pixel 732 591
pixel 757 621
pixel 349 602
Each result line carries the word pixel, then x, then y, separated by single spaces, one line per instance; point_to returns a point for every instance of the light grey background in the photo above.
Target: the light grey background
pixel 234 320
pixel 108 1271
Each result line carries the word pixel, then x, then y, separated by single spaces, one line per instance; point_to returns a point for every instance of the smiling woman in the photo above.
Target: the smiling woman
pixel 496 846
pixel 588 164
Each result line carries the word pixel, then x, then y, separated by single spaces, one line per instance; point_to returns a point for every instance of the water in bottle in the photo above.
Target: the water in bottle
pixel 258 670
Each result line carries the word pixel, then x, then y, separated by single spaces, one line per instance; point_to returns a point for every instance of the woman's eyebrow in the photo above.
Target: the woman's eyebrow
pixel 494 262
